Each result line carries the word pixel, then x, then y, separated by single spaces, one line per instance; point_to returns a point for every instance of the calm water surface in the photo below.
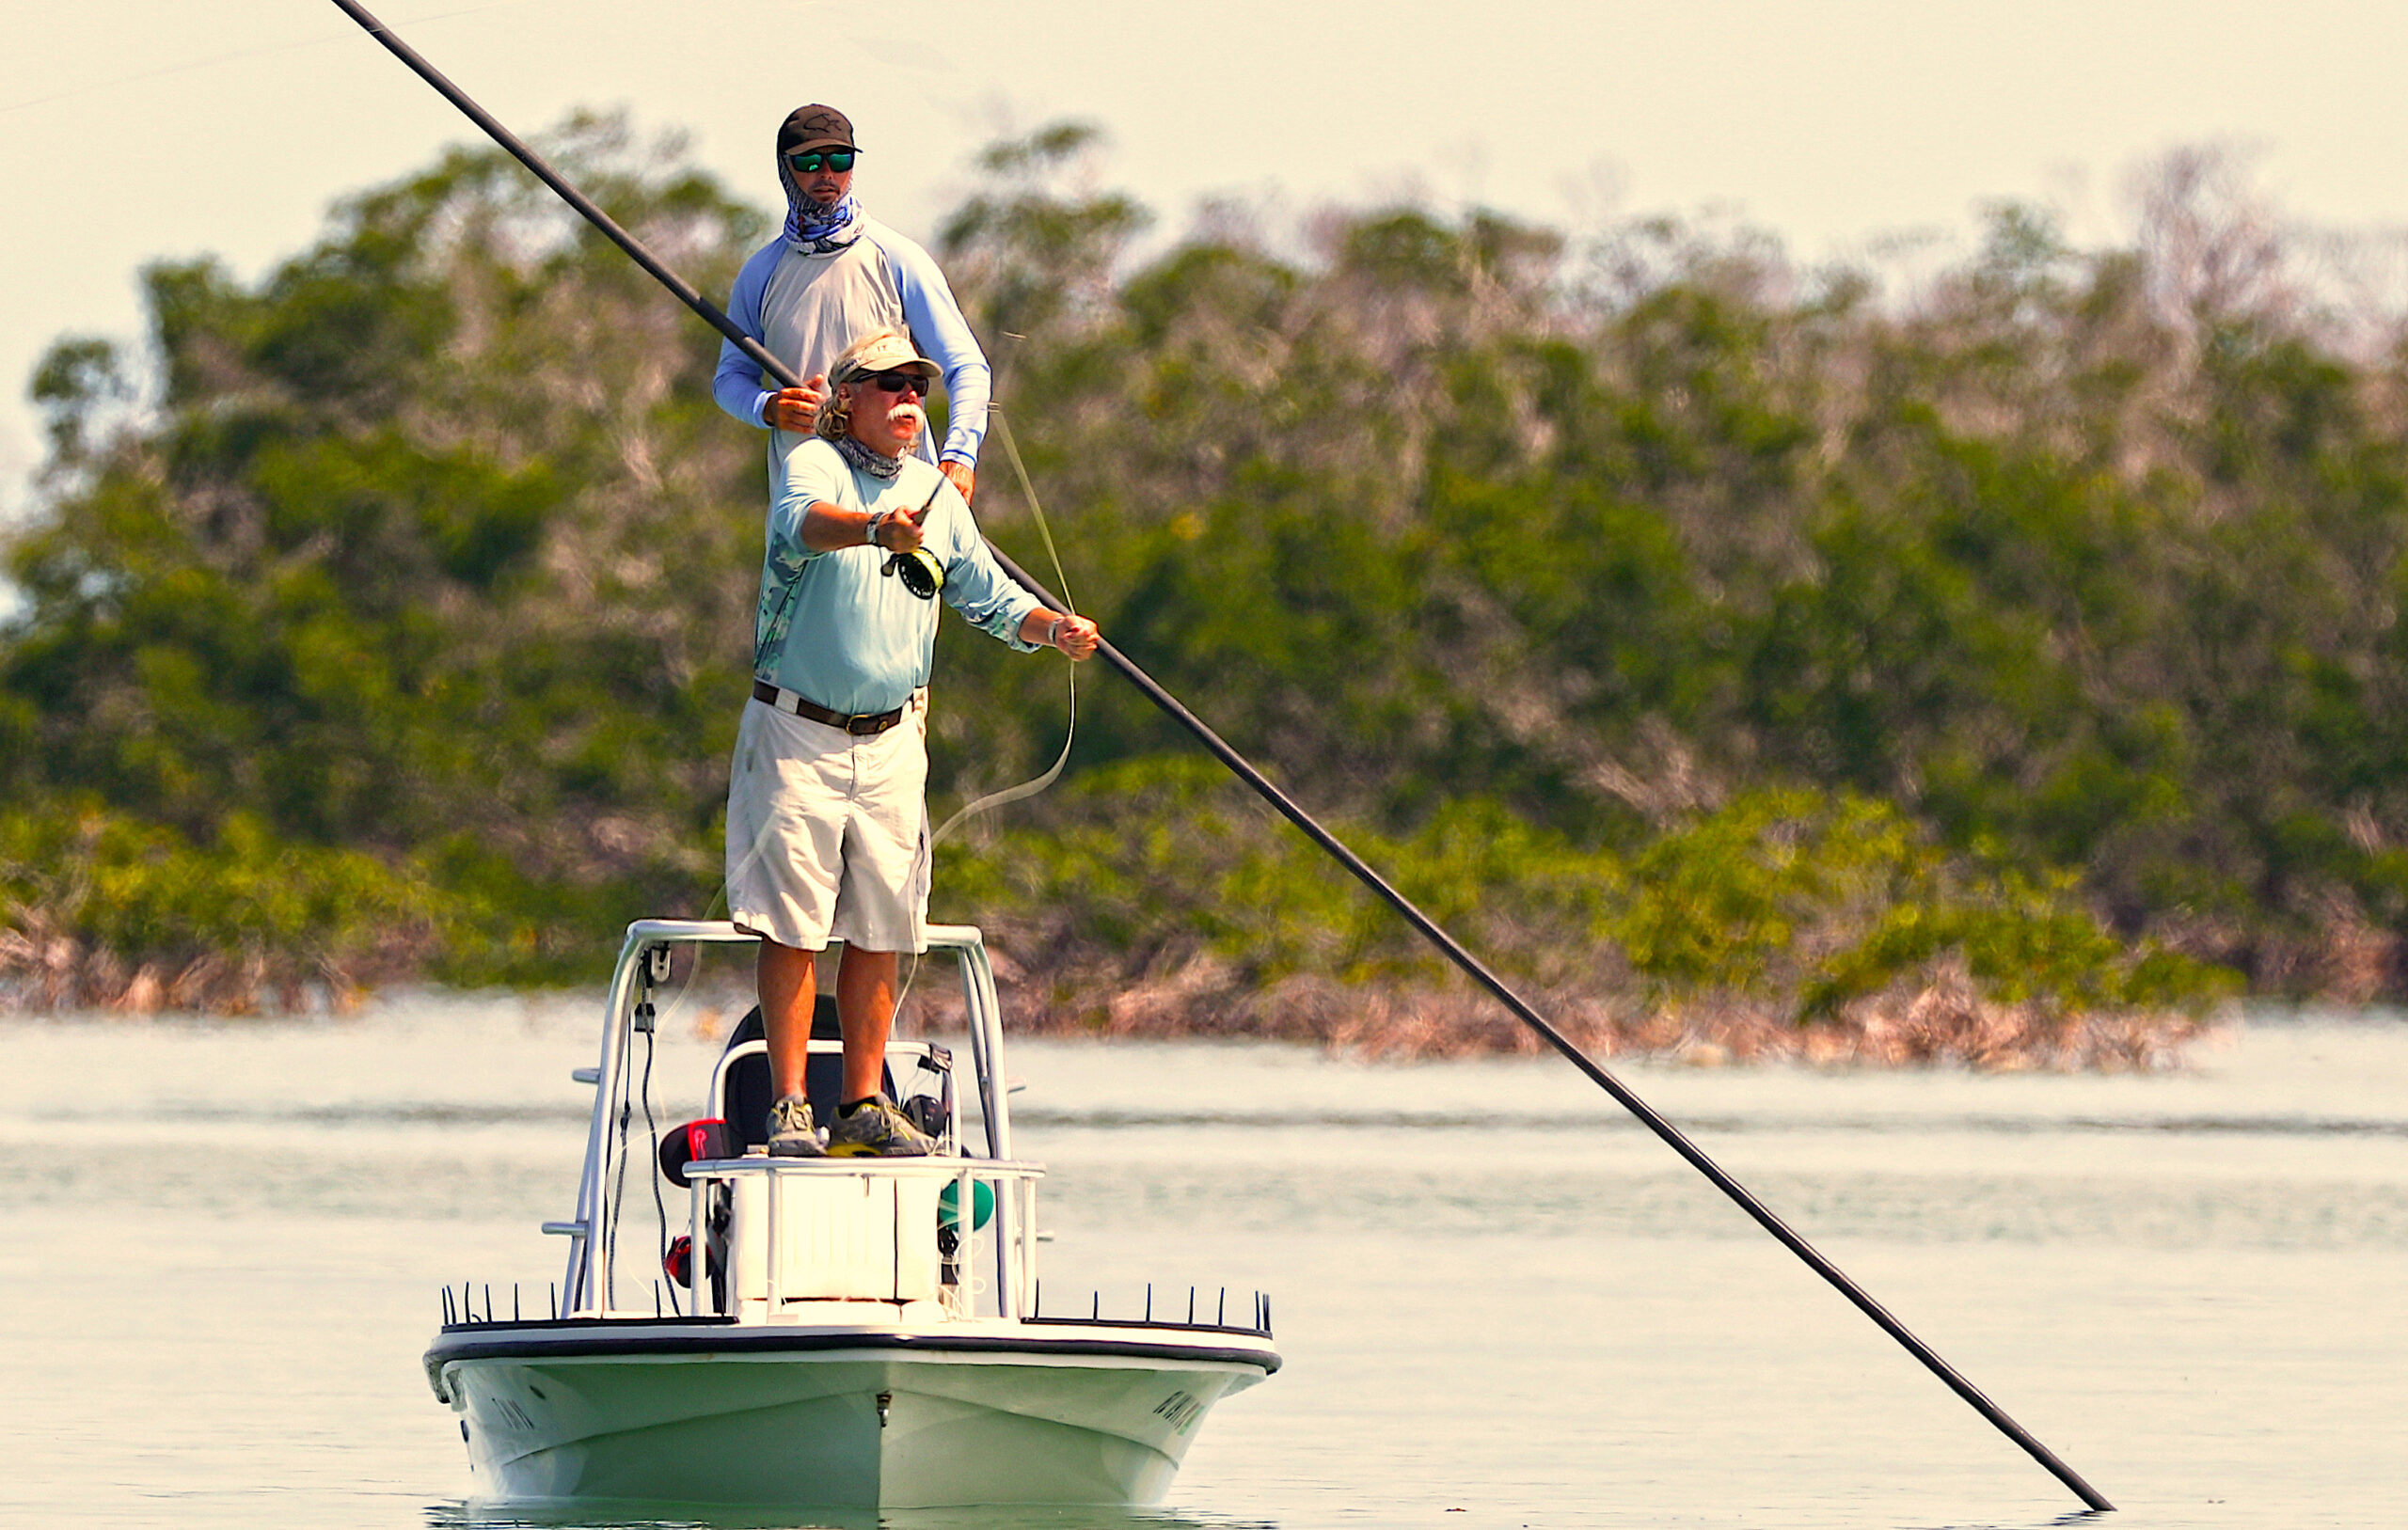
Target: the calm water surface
pixel 1500 1303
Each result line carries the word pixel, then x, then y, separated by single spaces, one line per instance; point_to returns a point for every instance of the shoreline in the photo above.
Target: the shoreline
pixel 1943 1025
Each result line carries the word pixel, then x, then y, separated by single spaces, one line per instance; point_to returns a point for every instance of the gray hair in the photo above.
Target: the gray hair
pixel 834 419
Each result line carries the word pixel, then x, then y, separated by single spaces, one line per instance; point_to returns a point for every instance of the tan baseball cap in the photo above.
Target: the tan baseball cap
pixel 885 351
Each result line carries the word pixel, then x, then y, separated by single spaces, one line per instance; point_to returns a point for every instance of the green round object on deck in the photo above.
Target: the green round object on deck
pixel 982 1202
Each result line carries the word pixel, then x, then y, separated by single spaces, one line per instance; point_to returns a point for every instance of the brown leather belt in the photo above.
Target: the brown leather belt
pixel 862 724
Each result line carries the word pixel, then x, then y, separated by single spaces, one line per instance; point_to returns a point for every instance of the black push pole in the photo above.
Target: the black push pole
pixel 1673 1137
pixel 1245 771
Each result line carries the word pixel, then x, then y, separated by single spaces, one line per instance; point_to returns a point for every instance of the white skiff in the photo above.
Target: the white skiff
pixel 834 1334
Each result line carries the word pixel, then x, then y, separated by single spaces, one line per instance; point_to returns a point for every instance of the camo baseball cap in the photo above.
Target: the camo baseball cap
pixel 816 127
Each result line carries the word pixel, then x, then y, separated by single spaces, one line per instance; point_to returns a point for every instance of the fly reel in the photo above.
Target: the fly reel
pixel 920 572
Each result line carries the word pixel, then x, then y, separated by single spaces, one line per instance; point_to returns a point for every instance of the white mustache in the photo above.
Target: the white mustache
pixel 912 412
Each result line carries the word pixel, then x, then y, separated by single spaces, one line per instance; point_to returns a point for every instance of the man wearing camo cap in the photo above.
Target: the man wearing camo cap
pixel 834 274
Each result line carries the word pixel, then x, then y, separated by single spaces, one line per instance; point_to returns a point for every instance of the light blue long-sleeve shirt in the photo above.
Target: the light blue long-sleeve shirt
pixel 835 629
pixel 805 309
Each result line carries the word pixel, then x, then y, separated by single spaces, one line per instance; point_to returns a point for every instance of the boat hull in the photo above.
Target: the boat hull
pixel 756 1415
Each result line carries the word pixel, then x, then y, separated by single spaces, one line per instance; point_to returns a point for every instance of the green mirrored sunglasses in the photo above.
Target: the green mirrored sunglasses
pixel 838 159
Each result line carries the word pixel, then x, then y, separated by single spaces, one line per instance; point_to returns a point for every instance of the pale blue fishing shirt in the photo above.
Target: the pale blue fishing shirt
pixel 805 305
pixel 834 627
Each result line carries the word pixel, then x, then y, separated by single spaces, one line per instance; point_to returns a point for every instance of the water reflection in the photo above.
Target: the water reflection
pixel 1500 1305
pixel 657 1516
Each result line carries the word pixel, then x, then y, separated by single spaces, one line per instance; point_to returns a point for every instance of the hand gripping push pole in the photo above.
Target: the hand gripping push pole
pixel 1237 762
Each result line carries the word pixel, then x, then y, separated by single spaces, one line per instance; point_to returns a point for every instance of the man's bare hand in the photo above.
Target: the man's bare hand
pixel 796 408
pixel 961 475
pixel 1076 636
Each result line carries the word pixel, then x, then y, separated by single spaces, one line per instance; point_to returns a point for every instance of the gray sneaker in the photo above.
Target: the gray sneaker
pixel 878 1130
pixel 790 1133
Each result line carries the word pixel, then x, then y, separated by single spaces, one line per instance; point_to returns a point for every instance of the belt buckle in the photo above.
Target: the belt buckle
pixel 865 724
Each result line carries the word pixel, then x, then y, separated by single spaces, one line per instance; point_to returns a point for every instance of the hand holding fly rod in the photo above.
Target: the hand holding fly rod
pixel 750 349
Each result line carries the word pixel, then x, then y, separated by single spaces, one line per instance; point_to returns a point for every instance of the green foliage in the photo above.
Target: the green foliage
pixel 1823 900
pixel 1800 900
pixel 1763 631
pixel 104 882
pixel 433 539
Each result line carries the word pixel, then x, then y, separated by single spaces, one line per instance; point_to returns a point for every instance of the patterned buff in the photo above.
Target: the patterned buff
pixel 876 465
pixel 814 230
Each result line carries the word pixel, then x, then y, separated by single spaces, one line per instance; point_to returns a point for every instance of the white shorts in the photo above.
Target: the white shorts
pixel 828 833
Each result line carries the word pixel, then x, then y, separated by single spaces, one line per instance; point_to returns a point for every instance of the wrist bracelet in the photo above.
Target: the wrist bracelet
pixel 877 519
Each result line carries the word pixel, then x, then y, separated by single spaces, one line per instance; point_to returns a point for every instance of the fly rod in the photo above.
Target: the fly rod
pixel 1429 928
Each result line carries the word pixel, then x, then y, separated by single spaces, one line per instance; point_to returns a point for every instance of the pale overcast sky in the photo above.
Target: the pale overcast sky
pixel 137 129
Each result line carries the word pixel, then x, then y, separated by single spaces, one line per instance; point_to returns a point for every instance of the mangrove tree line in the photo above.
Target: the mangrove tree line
pixel 1710 636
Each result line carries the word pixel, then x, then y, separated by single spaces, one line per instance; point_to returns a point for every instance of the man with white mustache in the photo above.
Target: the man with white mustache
pixel 826 817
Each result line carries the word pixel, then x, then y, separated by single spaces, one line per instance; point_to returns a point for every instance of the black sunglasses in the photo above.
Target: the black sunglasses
pixel 838 159
pixel 900 382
